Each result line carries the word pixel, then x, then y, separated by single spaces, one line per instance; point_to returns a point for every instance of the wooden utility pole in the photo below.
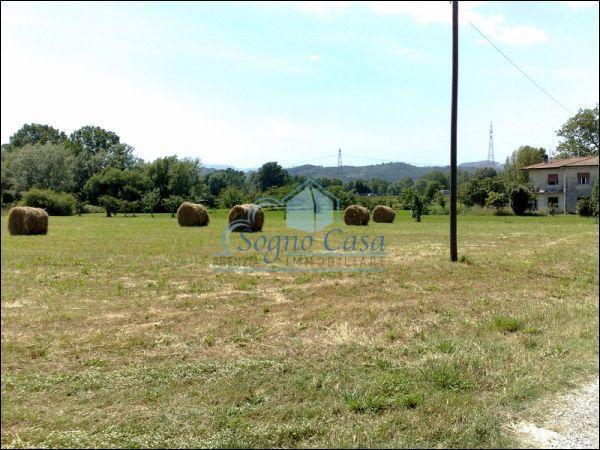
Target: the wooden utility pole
pixel 453 124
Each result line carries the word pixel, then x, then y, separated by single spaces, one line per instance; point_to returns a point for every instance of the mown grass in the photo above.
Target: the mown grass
pixel 117 332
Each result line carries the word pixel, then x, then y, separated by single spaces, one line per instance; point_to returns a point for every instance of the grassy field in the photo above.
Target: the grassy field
pixel 117 332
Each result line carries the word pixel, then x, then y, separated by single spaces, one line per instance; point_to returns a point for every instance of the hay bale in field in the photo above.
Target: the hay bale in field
pixel 383 214
pixel 356 215
pixel 192 215
pixel 27 220
pixel 246 217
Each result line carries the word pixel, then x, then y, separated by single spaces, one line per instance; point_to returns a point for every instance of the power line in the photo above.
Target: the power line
pixel 520 70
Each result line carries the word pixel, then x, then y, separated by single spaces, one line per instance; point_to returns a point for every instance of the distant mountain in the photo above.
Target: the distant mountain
pixel 480 165
pixel 209 168
pixel 387 171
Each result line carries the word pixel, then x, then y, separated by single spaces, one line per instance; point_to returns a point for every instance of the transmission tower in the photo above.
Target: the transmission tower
pixel 340 169
pixel 491 145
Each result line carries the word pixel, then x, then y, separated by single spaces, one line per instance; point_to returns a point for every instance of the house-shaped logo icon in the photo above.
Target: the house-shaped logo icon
pixel 310 207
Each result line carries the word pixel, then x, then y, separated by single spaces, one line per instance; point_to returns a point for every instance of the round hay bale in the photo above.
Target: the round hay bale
pixel 24 220
pixel 192 215
pixel 247 217
pixel 383 214
pixel 356 215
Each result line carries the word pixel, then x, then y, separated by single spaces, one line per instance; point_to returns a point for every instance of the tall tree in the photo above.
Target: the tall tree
pixel 521 157
pixel 183 176
pixel 121 156
pixel 47 166
pixel 35 133
pixel 159 172
pixel 127 185
pixel 91 140
pixel 579 135
pixel 271 174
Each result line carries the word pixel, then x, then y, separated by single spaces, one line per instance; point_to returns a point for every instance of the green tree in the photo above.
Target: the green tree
pixel 378 186
pixel 109 203
pixel 521 157
pixel 129 207
pixel 43 166
pixel 519 200
pixel 271 174
pixel 150 201
pixel 35 133
pixel 585 207
pixel 579 135
pixel 121 156
pixel 443 178
pixel 217 181
pixel 485 172
pixel 344 197
pixel 497 200
pixel 231 196
pixel 127 185
pixel 439 199
pixel 594 199
pixel 92 139
pixel 359 186
pixel 184 174
pixel 433 187
pixel 418 207
pixel 172 202
pixel 420 185
pixel 477 190
pixel 473 192
pixel 405 183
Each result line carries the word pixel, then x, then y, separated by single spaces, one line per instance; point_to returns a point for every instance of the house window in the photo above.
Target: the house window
pixel 552 202
pixel 552 178
pixel 583 178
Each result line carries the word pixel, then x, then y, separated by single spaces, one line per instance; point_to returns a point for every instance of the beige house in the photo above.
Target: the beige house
pixel 560 183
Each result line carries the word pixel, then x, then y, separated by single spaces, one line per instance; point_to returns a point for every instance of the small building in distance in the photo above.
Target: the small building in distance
pixel 560 183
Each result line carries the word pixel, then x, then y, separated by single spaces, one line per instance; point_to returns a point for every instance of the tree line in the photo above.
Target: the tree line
pixel 92 167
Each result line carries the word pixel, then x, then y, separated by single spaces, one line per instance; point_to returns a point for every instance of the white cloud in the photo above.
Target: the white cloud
pixel 407 52
pixel 314 58
pixel 437 12
pixel 425 12
pixel 581 5
pixel 322 9
pixel 494 27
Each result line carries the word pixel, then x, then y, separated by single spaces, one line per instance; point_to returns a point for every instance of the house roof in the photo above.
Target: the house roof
pixel 567 162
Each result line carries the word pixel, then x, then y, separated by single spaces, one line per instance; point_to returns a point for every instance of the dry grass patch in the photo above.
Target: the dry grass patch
pixel 167 352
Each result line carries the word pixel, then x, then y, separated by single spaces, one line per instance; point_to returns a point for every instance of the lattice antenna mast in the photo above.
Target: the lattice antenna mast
pixel 340 168
pixel 491 145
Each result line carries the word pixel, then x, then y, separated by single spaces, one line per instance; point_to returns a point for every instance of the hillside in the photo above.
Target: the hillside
pixel 387 171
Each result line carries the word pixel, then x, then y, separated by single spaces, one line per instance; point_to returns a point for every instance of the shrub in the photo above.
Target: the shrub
pixel 496 200
pixel 519 200
pixel 172 202
pixel 585 207
pixel 437 210
pixel 418 206
pixel 55 203
pixel 90 209
pixel 110 204
pixel 231 196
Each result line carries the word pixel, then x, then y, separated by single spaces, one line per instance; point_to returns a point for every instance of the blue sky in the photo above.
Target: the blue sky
pixel 244 83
